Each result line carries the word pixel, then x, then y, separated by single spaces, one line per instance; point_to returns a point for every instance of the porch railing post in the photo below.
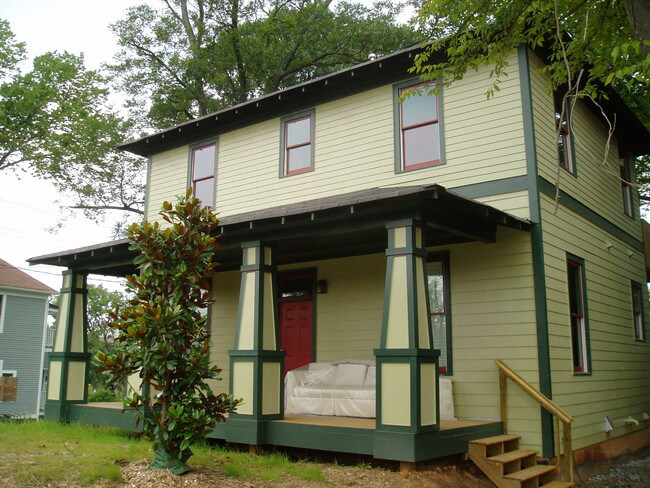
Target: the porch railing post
pixel 503 400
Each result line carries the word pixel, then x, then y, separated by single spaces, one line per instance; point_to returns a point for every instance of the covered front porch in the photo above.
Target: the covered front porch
pixel 399 222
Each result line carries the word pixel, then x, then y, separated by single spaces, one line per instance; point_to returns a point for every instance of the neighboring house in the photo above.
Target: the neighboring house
pixel 343 209
pixel 23 323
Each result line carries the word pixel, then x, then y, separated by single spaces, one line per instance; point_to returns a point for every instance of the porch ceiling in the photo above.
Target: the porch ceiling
pixel 342 225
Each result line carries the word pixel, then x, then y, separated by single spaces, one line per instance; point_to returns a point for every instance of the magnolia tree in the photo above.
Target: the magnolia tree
pixel 163 338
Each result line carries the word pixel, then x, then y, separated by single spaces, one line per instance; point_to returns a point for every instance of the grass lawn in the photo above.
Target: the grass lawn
pixel 45 454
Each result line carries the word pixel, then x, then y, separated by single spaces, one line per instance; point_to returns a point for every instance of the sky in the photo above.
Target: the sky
pixel 28 206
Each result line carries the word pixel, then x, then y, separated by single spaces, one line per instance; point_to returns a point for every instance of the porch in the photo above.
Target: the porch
pixel 392 225
pixel 337 434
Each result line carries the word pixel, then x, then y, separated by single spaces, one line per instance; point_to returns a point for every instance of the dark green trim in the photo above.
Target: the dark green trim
pixel 283 150
pixel 493 187
pixel 585 212
pixel 583 278
pixel 110 417
pixel 537 249
pixel 397 129
pixel 259 358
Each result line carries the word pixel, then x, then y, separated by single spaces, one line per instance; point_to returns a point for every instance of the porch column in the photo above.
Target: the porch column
pixel 407 363
pixel 256 362
pixel 69 359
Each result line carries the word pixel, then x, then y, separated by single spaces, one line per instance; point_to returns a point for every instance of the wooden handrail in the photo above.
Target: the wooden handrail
pixel 539 397
pixel 563 448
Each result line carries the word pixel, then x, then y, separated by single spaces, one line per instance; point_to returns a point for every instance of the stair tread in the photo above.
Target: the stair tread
pixel 506 457
pixel 528 473
pixel 488 441
pixel 558 484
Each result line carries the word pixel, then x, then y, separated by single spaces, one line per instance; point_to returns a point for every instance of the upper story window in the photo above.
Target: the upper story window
pixel 578 314
pixel 637 311
pixel 202 171
pixel 2 312
pixel 563 129
pixel 626 186
pixel 419 126
pixel 297 143
pixel 440 308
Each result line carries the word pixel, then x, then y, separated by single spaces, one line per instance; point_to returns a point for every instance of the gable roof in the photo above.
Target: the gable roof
pixel 386 69
pixel 12 277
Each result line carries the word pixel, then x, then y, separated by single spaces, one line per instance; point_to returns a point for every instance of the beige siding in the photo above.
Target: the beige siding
pixel 493 317
pixel 168 177
pixel 618 386
pixel 597 184
pixel 515 203
pixel 349 315
pixel 354 149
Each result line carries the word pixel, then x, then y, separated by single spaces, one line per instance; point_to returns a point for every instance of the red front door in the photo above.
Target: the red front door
pixel 296 307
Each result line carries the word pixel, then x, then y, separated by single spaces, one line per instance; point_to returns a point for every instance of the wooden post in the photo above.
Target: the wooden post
pixel 558 446
pixel 503 384
pixel 568 453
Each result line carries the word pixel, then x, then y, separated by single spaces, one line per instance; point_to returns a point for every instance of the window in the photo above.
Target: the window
pixel 439 307
pixel 637 311
pixel 626 186
pixel 202 172
pixel 564 140
pixel 578 315
pixel 298 144
pixel 419 127
pixel 2 312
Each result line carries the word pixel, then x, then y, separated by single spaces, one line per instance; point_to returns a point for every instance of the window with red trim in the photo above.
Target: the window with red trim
pixel 637 311
pixel 578 316
pixel 298 147
pixel 439 308
pixel 202 174
pixel 419 127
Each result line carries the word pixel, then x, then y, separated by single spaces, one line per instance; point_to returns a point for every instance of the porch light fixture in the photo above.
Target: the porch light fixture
pixel 321 286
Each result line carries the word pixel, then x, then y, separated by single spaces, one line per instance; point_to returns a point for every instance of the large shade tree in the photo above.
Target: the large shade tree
pixel 192 57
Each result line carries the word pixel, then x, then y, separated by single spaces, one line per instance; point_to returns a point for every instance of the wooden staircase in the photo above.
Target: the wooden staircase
pixel 507 466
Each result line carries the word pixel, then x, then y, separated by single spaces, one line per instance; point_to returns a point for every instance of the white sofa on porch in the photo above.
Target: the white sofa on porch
pixel 344 388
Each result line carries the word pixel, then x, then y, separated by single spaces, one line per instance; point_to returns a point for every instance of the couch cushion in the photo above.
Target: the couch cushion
pixel 349 375
pixel 354 392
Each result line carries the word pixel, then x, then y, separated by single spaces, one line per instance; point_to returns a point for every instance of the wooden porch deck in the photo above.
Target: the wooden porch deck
pixel 336 434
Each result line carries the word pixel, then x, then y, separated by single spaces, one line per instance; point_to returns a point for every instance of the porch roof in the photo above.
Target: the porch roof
pixel 340 225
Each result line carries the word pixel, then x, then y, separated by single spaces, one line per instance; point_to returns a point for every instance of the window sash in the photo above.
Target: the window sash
pixel 298 144
pixel 626 187
pixel 202 173
pixel 578 317
pixel 637 312
pixel 439 300
pixel 419 128
pixel 564 138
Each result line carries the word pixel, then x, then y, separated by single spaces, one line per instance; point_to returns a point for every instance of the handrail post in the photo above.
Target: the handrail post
pixel 503 385
pixel 558 445
pixel 568 454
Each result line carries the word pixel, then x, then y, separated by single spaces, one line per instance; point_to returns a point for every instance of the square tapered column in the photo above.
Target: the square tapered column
pixel 407 363
pixel 69 359
pixel 256 362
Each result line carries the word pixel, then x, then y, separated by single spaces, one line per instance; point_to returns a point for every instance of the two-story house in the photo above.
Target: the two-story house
pixel 23 324
pixel 432 236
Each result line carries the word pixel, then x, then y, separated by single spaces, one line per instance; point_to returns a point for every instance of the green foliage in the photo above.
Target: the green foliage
pixel 100 336
pixel 188 59
pixel 589 41
pixel 55 124
pixel 163 336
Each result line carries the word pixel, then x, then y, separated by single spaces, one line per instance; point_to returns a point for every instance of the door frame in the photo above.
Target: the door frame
pixel 281 275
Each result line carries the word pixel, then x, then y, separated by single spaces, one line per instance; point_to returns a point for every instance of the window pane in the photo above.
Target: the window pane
pixel 298 131
pixel 204 191
pixel 296 287
pixel 421 145
pixel 203 159
pixel 575 300
pixel 418 108
pixel 436 286
pixel 298 158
